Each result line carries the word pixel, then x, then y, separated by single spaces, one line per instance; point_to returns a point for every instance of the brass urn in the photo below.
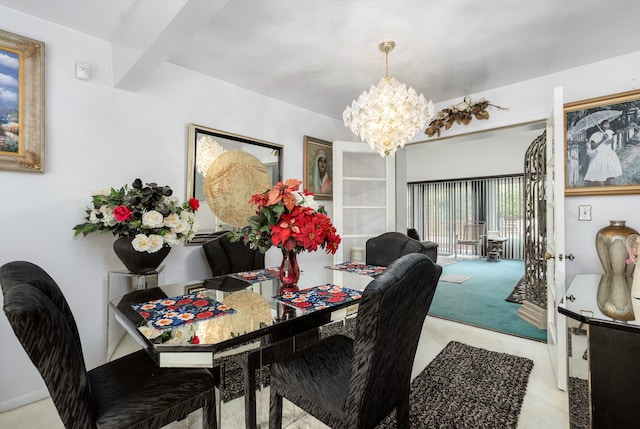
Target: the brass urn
pixel 611 245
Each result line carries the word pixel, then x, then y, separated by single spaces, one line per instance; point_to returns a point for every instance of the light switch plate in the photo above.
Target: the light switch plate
pixel 584 212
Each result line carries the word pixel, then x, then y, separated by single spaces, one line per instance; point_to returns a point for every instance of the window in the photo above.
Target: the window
pixel 439 210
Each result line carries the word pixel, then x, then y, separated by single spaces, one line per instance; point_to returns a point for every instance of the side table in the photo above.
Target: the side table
pixel 494 248
pixel 612 345
pixel 120 283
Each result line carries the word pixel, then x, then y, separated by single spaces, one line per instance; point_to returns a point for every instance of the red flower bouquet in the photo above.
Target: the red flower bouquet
pixel 289 218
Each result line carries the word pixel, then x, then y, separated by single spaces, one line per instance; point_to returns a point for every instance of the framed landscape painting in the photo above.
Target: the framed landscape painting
pixel 318 168
pixel 21 103
pixel 602 144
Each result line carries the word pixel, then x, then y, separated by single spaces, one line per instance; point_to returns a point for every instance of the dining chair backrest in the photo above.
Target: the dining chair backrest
pixel 387 247
pixel 18 272
pixel 354 383
pixel 42 320
pixel 131 392
pixel 473 234
pixel 473 231
pixel 494 235
pixel 226 257
pixel 390 317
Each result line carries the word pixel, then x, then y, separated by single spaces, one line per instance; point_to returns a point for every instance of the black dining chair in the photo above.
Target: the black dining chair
pixel 387 247
pixel 130 392
pixel 225 256
pixel 356 383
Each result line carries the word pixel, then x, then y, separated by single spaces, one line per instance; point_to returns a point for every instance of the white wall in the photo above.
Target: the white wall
pixel 477 155
pixel 97 137
pixel 529 101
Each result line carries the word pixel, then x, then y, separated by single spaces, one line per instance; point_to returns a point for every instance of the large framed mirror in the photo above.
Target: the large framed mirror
pixel 204 145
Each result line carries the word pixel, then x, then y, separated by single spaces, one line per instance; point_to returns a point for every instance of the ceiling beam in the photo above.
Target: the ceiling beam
pixel 143 44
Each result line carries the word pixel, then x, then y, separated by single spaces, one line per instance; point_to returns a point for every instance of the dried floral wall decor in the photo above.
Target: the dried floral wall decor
pixel 461 113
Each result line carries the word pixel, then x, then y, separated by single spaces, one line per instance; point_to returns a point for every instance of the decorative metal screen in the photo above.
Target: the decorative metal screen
pixel 535 265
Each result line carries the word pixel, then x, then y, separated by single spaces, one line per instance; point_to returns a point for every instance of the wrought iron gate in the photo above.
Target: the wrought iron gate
pixel 535 219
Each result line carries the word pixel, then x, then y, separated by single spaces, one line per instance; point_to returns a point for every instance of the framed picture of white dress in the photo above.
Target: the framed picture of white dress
pixel 602 143
pixel 318 168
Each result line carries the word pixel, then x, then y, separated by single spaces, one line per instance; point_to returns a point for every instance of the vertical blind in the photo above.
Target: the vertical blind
pixel 438 210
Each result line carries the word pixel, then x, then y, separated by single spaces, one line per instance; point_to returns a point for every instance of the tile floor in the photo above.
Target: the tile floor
pixel 544 405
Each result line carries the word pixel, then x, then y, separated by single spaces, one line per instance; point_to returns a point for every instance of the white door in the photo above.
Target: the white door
pixel 363 195
pixel 556 323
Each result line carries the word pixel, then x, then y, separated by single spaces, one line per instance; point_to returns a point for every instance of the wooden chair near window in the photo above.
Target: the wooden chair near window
pixel 473 234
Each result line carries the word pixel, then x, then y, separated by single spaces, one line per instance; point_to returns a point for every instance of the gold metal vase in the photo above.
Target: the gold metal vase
pixel 611 245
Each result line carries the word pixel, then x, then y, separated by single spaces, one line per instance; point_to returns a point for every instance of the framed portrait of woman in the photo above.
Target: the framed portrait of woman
pixel 318 168
pixel 602 137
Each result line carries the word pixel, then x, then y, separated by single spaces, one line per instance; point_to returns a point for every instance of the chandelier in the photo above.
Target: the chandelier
pixel 390 114
pixel 207 149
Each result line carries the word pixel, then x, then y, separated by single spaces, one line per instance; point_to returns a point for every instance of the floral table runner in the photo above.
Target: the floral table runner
pixel 169 313
pixel 256 276
pixel 366 270
pixel 318 297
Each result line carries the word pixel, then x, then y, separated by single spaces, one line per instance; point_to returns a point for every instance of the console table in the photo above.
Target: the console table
pixel 602 307
pixel 119 283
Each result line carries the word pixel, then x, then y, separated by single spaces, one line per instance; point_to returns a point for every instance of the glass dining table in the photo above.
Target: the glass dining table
pixel 191 324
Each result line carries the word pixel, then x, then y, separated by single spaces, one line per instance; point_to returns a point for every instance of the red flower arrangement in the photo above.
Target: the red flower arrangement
pixel 290 218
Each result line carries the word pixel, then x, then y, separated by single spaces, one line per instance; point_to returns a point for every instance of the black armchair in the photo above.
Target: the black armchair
pixel 387 247
pixel 226 257
pixel 356 383
pixel 130 392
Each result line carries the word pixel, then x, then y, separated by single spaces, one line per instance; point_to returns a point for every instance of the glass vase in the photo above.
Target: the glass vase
pixel 289 270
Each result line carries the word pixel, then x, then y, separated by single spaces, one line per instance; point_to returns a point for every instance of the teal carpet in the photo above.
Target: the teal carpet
pixel 480 301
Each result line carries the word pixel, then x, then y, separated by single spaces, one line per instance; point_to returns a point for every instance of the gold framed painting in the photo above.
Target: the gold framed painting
pixel 602 145
pixel 22 103
pixel 318 168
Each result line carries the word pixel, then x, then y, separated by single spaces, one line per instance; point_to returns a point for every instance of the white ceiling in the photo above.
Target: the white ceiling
pixel 321 54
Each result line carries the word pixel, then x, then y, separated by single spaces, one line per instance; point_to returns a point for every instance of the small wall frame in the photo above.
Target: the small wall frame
pixel 318 168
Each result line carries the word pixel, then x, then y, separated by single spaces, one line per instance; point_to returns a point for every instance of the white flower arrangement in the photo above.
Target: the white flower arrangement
pixel 149 214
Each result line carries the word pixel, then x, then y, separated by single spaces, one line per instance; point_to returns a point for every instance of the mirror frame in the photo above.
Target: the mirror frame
pixel 230 139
